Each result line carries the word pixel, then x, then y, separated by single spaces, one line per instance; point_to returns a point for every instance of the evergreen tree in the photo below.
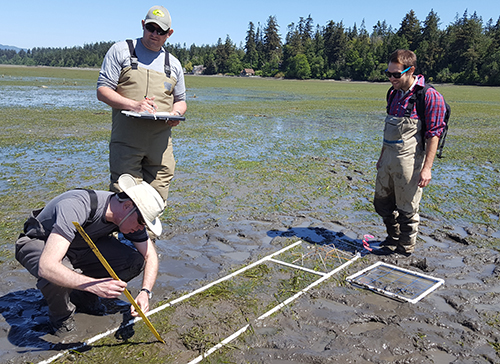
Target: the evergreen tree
pixel 259 42
pixel 429 51
pixel 299 67
pixel 467 47
pixel 251 58
pixel 272 41
pixel 490 70
pixel 293 45
pixel 318 62
pixel 359 59
pixel 210 64
pixel 410 29
pixel 335 41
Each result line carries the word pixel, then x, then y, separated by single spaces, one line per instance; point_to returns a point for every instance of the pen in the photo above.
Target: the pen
pixel 147 98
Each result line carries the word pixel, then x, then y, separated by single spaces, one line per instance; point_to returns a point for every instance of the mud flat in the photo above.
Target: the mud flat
pixel 252 177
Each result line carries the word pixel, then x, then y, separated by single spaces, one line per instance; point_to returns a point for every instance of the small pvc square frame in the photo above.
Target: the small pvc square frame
pixel 395 282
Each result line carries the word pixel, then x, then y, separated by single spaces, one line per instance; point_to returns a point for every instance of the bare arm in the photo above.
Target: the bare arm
pixel 179 107
pixel 51 268
pixel 148 250
pixel 430 153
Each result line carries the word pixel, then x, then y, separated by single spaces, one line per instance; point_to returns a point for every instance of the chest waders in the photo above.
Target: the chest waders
pixel 143 147
pixel 397 195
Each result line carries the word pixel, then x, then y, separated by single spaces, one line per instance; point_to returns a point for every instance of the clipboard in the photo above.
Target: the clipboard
pixel 160 115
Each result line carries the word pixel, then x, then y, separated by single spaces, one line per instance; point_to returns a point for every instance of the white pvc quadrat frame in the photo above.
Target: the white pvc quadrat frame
pixel 268 258
pixel 398 274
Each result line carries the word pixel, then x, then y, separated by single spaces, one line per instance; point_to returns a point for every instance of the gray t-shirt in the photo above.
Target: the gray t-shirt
pixel 74 205
pixel 118 57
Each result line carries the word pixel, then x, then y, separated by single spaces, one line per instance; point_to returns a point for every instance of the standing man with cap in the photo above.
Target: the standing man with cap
pixel 69 274
pixel 140 75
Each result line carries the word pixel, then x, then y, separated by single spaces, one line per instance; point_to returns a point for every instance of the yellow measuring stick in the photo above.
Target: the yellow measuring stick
pixel 114 276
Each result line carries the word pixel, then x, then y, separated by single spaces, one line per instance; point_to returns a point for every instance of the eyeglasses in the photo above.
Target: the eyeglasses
pixel 151 28
pixel 395 74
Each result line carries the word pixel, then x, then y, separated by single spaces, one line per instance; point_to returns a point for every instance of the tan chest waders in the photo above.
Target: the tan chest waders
pixel 397 195
pixel 143 147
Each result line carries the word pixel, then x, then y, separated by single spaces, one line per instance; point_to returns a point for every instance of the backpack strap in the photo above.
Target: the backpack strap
pixel 134 62
pixel 389 97
pixel 420 99
pixel 442 139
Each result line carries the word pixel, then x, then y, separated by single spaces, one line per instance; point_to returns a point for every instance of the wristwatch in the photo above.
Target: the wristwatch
pixel 150 294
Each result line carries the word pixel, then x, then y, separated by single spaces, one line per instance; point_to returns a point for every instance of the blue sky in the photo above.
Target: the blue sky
pixel 50 23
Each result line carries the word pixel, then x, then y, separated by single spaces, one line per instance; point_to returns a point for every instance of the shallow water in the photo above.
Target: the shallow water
pixel 77 97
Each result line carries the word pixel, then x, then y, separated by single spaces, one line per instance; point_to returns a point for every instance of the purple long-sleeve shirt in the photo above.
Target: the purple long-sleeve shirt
pixel 435 108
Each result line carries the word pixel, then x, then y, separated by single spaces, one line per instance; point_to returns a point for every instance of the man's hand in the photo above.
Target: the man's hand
pixel 147 105
pixel 430 152
pixel 173 123
pixel 106 287
pixel 142 300
pixel 425 177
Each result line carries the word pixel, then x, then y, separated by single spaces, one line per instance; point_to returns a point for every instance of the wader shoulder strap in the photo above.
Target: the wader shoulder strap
pixel 133 57
pixel 419 98
pixel 93 205
pixel 134 61
pixel 168 71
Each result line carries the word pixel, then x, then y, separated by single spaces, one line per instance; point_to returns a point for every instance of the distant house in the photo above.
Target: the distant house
pixel 198 70
pixel 247 72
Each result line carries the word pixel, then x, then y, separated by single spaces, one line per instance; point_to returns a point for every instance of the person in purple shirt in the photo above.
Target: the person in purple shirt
pixel 405 163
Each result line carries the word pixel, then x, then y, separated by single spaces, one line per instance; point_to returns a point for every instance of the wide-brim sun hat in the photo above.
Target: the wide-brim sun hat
pixel 146 198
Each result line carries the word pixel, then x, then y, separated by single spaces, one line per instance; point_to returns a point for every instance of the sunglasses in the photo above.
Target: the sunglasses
pixel 395 74
pixel 151 28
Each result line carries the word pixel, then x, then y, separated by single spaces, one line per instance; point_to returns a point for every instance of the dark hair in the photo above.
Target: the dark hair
pixel 405 57
pixel 122 196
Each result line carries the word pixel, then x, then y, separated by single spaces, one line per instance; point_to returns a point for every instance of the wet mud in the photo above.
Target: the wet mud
pixel 333 322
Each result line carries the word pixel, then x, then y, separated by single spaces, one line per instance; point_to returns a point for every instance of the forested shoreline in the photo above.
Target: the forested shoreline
pixel 467 51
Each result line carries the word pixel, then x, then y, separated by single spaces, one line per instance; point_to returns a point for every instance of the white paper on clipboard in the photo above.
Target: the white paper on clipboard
pixel 160 115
